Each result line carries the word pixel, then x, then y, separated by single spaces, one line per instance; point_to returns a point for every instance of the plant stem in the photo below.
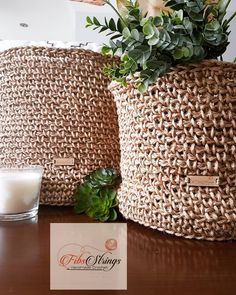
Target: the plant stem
pixel 227 5
pixel 116 11
pixel 230 19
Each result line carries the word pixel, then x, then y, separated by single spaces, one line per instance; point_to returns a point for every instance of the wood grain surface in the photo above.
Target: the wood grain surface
pixel 157 263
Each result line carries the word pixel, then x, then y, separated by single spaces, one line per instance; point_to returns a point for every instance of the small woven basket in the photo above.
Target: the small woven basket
pixel 56 111
pixel 178 151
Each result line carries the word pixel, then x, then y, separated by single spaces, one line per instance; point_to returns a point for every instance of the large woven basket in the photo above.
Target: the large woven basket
pixel 178 151
pixel 56 111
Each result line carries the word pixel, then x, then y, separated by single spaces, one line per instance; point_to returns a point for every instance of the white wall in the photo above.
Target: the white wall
pixel 50 20
pixel 65 20
pixel 47 20
pixel 230 54
pixel 82 10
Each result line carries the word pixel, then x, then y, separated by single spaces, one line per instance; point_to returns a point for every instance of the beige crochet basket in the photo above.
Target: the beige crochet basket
pixel 178 151
pixel 56 111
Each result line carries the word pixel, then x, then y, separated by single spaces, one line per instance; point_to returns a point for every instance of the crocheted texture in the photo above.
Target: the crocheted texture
pixel 54 103
pixel 184 125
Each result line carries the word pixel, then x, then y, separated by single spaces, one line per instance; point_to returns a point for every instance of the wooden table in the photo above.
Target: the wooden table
pixel 157 263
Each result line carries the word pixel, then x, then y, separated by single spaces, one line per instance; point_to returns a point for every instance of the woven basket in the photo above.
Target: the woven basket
pixel 56 111
pixel 182 127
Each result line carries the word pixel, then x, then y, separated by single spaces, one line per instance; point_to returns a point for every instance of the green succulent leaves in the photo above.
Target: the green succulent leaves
pixel 191 31
pixel 96 196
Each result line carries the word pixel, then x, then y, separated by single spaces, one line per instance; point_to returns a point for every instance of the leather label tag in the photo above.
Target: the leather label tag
pixel 212 181
pixel 64 161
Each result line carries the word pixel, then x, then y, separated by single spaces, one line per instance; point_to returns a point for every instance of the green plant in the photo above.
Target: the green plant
pixel 191 31
pixel 96 196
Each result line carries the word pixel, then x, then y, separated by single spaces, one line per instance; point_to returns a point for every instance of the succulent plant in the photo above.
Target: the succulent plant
pixel 96 196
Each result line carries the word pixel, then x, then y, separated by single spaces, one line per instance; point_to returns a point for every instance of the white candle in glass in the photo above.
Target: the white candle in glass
pixel 19 190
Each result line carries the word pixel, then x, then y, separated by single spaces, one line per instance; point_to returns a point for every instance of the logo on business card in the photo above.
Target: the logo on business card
pixel 85 257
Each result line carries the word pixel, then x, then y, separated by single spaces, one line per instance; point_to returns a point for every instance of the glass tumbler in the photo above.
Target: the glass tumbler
pixel 19 192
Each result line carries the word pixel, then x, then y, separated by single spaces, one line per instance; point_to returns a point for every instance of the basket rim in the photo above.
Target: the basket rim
pixel 31 48
pixel 212 63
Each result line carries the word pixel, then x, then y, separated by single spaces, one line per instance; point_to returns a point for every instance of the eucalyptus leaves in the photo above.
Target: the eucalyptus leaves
pixel 188 31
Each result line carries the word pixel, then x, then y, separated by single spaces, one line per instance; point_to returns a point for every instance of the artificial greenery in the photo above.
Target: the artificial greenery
pixel 188 31
pixel 96 196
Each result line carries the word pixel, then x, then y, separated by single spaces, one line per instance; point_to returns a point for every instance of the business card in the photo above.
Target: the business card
pixel 88 256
